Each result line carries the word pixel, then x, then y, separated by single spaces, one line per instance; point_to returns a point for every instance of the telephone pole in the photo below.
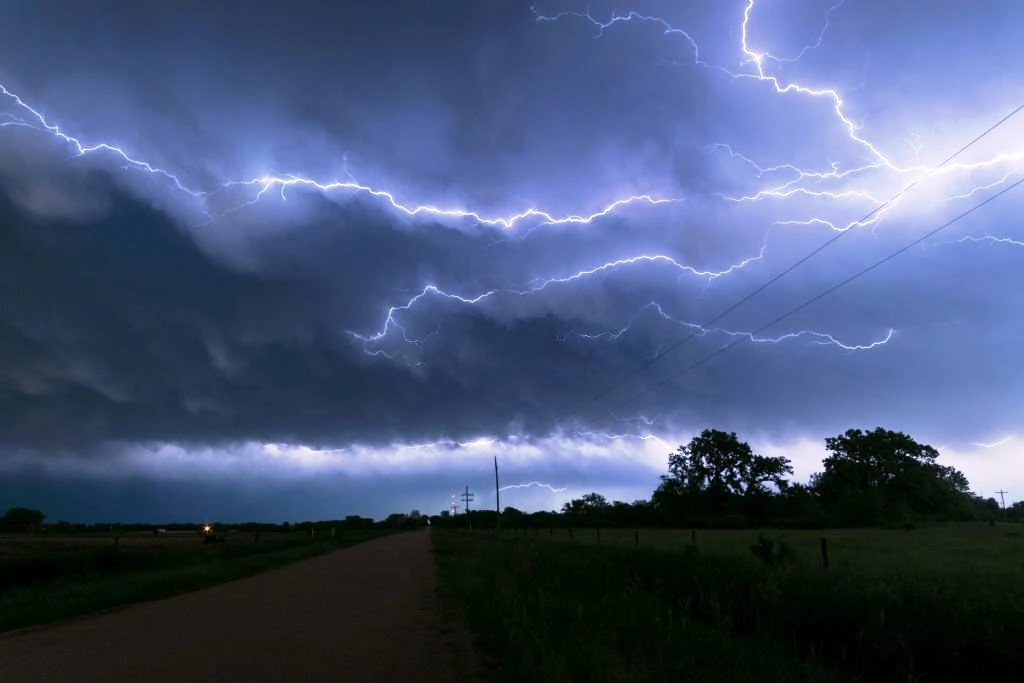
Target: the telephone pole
pixel 1001 499
pixel 467 496
pixel 497 494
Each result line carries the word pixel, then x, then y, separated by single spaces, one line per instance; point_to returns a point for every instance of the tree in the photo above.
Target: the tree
pixel 22 519
pixel 720 463
pixel 589 504
pixel 514 518
pixel 883 475
pixel 593 508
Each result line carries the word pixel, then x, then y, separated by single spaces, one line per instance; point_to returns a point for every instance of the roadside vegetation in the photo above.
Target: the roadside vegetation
pixel 743 607
pixel 542 611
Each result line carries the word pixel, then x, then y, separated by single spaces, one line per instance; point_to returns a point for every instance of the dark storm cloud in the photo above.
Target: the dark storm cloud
pixel 124 330
pixel 126 318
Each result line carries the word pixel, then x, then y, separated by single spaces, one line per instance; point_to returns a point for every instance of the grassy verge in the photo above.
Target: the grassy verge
pixel 929 605
pixel 97 579
pixel 552 612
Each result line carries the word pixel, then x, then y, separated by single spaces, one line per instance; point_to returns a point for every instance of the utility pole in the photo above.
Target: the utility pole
pixel 497 494
pixel 1001 499
pixel 467 496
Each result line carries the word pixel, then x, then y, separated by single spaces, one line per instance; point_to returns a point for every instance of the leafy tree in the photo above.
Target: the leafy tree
pixel 883 475
pixel 22 519
pixel 593 508
pixel 589 504
pixel 514 518
pixel 716 475
pixel 719 462
pixel 1016 511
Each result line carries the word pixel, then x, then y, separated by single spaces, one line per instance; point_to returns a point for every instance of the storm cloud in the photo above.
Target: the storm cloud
pixel 303 251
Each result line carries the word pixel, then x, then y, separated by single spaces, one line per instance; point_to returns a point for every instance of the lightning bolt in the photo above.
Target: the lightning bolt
pixel 34 119
pixel 996 444
pixel 533 484
pixel 802 182
pixel 983 238
pixel 756 68
pixel 391 323
pixel 38 122
pixel 617 437
pixel 816 337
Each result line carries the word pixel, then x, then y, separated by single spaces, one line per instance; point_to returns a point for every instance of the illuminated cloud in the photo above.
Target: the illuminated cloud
pixel 470 225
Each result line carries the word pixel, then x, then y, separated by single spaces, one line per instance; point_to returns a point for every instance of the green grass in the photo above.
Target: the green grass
pixel 42 581
pixel 554 613
pixel 953 547
pixel 935 604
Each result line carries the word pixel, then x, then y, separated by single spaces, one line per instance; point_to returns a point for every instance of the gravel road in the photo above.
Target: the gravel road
pixel 364 613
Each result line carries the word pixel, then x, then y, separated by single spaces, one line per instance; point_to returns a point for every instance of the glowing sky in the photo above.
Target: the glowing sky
pixel 328 259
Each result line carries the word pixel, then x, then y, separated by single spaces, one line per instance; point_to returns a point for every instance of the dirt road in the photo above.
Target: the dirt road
pixel 365 613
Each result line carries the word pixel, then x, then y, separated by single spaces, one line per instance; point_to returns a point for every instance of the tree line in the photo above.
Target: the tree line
pixel 31 520
pixel 869 478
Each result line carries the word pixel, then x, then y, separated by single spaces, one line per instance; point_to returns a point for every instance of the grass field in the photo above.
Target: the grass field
pixel 935 604
pixel 50 577
pixel 954 547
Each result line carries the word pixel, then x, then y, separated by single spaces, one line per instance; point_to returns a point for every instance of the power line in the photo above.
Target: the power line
pixel 796 265
pixel 818 297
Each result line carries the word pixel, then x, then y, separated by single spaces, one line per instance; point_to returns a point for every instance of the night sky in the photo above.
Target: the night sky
pixel 303 260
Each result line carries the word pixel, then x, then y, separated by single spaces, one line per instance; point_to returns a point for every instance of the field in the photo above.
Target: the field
pixel 936 604
pixel 49 577
pixel 955 547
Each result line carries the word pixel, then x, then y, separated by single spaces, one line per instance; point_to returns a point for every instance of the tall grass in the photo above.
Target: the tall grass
pixel 548 612
pixel 878 618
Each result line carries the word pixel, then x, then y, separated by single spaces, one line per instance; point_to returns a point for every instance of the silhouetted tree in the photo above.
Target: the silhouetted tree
pixel 883 475
pixel 716 474
pixel 22 519
pixel 590 509
pixel 512 518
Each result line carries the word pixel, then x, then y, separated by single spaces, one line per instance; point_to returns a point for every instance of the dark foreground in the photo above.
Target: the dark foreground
pixel 364 613
pixel 740 608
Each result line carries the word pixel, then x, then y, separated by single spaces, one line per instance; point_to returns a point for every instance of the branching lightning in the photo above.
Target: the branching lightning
pixel 391 323
pixel 35 120
pixel 617 437
pixel 820 338
pixel 807 182
pixel 787 182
